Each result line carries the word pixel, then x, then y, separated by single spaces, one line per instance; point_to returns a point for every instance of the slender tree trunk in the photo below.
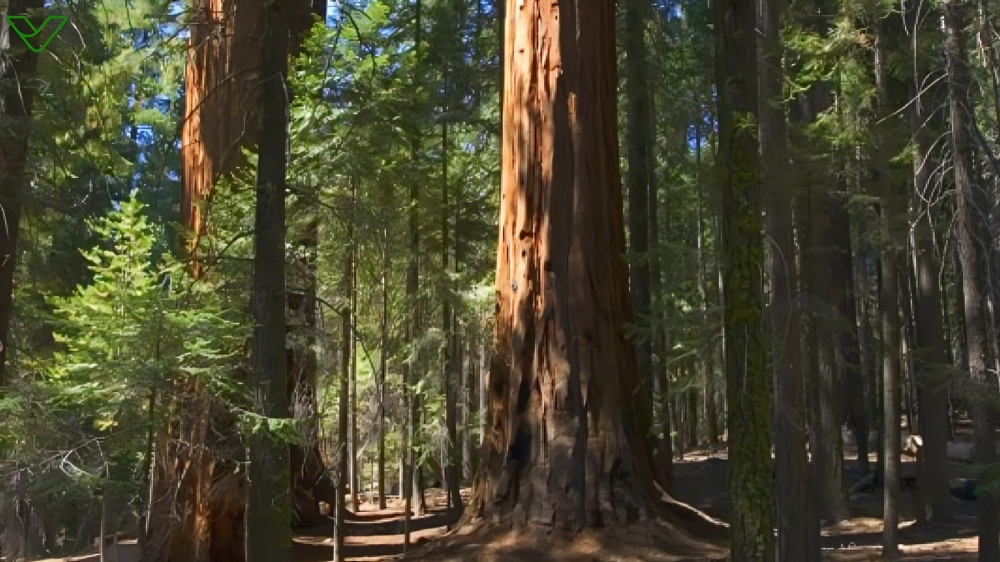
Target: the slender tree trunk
pixel 469 368
pixel 638 139
pixel 18 94
pixel 847 303
pixel 412 328
pixel 739 180
pixel 933 371
pixel 795 522
pixel 451 467
pixel 692 412
pixel 100 539
pixel 382 372
pixel 889 311
pixel 908 391
pixel 980 388
pixel 353 460
pixel 961 352
pixel 990 57
pixel 869 369
pixel 819 278
pixel 853 339
pixel 844 362
pixel 850 339
pixel 147 469
pixel 708 359
pixel 457 360
pixel 484 414
pixel 413 316
pixel 269 537
pixel 850 407
pixel 419 494
pixel 659 334
pixel 342 408
pixel 888 298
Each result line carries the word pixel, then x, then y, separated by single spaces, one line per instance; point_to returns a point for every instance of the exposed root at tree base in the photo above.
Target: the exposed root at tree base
pixel 645 541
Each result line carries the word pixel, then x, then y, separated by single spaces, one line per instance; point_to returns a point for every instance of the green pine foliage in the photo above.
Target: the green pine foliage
pixel 135 327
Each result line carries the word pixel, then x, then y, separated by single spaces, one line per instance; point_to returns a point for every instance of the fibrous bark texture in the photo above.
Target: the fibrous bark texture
pixel 564 447
pixel 197 498
pixel 220 101
pixel 750 477
pixel 222 89
pixel 221 96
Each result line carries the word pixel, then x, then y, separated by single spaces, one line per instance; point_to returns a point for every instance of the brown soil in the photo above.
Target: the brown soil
pixel 700 481
pixel 646 541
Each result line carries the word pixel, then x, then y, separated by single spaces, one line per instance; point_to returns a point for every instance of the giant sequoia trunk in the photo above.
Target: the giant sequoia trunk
pixel 217 105
pixel 220 97
pixel 564 447
pixel 219 102
pixel 979 389
pixel 750 478
pixel 222 91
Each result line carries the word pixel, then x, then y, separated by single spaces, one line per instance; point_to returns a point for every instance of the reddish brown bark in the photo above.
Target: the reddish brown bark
pixel 199 499
pixel 219 102
pixel 220 81
pixel 564 448
pixel 197 509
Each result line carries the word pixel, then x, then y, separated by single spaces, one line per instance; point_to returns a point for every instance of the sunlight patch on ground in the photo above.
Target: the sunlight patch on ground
pixel 858 526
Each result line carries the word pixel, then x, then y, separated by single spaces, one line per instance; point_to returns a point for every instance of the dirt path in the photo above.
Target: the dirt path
pixel 700 480
pixel 374 534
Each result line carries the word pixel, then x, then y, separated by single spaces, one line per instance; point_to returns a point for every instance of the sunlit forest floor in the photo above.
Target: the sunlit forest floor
pixel 700 481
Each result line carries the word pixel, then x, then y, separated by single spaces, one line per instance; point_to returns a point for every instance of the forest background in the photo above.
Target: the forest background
pixel 143 152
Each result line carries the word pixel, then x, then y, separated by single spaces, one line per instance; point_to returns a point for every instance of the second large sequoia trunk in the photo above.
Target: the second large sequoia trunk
pixel 564 448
